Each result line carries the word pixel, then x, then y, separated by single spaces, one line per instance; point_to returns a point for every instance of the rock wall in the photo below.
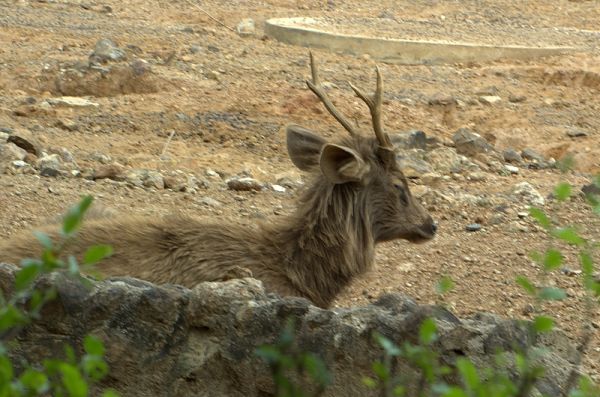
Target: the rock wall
pixel 172 341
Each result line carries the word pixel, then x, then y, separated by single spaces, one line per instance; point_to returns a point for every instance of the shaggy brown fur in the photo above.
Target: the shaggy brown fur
pixel 313 253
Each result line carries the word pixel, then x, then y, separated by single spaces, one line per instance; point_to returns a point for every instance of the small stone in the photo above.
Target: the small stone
pixel 522 215
pixel 49 165
pixel 441 99
pixel 67 124
pixel 140 66
pixel 212 75
pixel 532 155
pixel 19 164
pixel 278 188
pixel 112 171
pixel 512 156
pixel 196 49
pixel 591 189
pixel 477 176
pixel 244 184
pixel 576 133
pixel 570 272
pixel 431 179
pixel 25 140
pixel 511 168
pixel 524 191
pixel 517 98
pixel 154 179
pixel 246 27
pixel 213 48
pixel 106 50
pixel 528 309
pixel 490 91
pixel 473 227
pixel 11 152
pixel 100 157
pixel 470 143
pixel 412 166
pixel 4 136
pixel 489 99
pixel 410 140
pixel 71 101
pixel 208 201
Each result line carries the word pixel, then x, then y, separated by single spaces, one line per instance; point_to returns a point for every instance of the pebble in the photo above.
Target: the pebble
pixel 473 227
pixel 49 165
pixel 106 50
pixel 524 191
pixel 489 99
pixel 71 101
pixel 246 27
pixel 512 156
pixel 11 152
pixel 26 141
pixel 278 188
pixel 208 201
pixel 576 133
pixel 511 168
pixel 470 143
pixel 244 184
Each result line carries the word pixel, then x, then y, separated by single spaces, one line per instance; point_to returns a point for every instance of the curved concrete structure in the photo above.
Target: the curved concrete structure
pixel 411 52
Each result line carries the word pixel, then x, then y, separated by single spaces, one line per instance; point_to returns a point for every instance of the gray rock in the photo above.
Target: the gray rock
pixel 473 227
pixel 511 168
pixel 446 160
pixel 244 184
pixel 26 141
pixel 441 99
pixel 169 340
pixel 490 99
pixel 106 51
pixel 576 133
pixel 533 156
pixel 512 156
pixel 209 202
pixel 246 27
pixel 517 98
pixel 49 165
pixel 526 193
pixel 154 179
pixel 591 189
pixel 470 143
pixel 71 101
pixel 3 137
pixel 410 140
pixel 11 152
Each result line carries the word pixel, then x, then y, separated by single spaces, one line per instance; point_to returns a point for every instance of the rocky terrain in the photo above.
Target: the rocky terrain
pixel 157 107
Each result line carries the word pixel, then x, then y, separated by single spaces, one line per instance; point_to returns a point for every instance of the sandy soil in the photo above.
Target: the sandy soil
pixel 227 97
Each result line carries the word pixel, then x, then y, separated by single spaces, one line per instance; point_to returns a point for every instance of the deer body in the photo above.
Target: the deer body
pixel 358 198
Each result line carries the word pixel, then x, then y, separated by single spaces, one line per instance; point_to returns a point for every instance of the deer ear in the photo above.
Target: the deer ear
pixel 304 147
pixel 340 164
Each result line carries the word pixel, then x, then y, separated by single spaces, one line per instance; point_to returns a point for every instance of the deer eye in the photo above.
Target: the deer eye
pixel 402 193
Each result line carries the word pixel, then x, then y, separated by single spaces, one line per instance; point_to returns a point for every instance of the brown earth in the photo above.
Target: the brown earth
pixel 228 98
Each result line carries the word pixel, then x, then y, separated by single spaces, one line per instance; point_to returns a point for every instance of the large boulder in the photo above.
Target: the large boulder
pixel 172 341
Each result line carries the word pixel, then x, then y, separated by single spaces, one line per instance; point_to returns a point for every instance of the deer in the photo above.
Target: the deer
pixel 358 198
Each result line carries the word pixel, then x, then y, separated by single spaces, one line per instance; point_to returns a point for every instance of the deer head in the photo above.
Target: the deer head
pixel 362 171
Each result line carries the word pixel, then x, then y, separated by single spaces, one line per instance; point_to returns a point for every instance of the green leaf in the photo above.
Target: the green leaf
pixel 399 391
pixel 6 370
pixel 382 372
pixel 110 393
pixel 96 253
pixel 73 265
pixel 11 317
pixel 543 324
pixel 526 285
pixel 444 285
pixel 552 259
pixel 552 294
pixel 73 381
pixel 452 391
pixel 562 191
pixel 94 367
pixel 587 263
pixel 35 381
pixel 541 217
pixel 369 382
pixel 566 163
pixel 428 332
pixel 568 235
pixel 26 275
pixel 317 369
pixel 468 372
pixel 74 216
pixel 387 345
pixel 93 345
pixel 269 353
pixel 44 239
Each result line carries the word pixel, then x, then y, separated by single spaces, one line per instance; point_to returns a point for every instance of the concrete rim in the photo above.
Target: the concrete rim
pixel 410 52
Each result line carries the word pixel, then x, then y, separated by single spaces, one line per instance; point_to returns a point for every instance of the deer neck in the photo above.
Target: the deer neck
pixel 326 242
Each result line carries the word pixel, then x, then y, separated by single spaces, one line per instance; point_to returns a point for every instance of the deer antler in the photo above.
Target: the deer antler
pixel 315 86
pixel 374 104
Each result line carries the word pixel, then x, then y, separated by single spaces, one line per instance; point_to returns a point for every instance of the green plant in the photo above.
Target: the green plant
pixel 58 377
pixel 285 361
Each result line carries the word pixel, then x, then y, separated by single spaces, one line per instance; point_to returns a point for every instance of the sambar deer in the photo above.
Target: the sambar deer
pixel 358 198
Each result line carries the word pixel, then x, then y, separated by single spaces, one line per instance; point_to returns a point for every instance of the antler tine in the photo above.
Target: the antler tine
pixel 315 87
pixel 374 104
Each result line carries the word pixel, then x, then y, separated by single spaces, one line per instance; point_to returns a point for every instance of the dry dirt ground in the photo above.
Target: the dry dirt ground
pixel 227 97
